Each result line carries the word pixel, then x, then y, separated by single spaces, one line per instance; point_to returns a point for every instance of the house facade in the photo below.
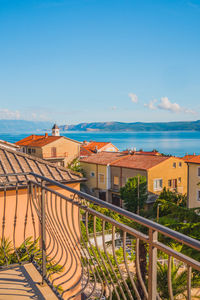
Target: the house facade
pixel 55 148
pixel 89 148
pixel 193 164
pixel 160 172
pixel 109 173
pixel 97 172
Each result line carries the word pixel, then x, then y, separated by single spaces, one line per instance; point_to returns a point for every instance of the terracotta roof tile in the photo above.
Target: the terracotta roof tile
pixel 141 162
pixel 188 157
pixel 17 162
pixel 102 158
pixel 37 140
pixel 195 159
pixel 84 152
pixel 92 146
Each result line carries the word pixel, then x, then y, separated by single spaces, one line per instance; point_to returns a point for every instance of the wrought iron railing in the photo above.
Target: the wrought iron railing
pixel 50 224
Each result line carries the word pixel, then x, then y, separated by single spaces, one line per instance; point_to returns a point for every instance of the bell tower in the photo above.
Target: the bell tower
pixel 55 130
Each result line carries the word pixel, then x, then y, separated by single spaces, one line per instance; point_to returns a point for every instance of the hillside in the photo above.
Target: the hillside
pixel 138 126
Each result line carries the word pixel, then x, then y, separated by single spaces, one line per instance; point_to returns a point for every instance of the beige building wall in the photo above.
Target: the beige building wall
pixel 67 234
pixel 123 175
pixel 36 151
pixel 96 176
pixel 64 148
pixel 171 169
pixel 193 187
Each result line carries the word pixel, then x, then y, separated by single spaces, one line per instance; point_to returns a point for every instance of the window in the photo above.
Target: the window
pixel 179 180
pixel 198 195
pixel 174 183
pixel 180 164
pixel 101 178
pixel 198 172
pixel 116 180
pixel 29 151
pixel 157 184
pixel 174 165
pixel 53 151
pixel 92 174
pixel 170 183
pixel 33 150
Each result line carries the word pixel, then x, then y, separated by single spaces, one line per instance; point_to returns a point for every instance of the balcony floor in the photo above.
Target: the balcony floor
pixel 23 282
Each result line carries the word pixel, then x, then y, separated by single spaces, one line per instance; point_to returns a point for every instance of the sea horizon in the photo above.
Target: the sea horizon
pixel 177 143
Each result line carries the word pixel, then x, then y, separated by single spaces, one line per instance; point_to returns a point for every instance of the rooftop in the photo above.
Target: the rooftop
pixel 194 159
pixel 103 158
pixel 17 162
pixel 40 140
pixel 141 162
pixel 93 146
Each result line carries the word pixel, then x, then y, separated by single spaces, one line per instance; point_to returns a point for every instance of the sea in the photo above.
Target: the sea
pixel 176 143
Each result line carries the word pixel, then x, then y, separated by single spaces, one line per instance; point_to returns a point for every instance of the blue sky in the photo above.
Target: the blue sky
pixel 75 61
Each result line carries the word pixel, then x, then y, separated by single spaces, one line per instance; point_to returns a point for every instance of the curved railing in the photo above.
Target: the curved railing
pixel 73 243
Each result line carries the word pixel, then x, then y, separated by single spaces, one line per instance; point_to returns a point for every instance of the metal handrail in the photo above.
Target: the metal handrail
pixel 134 217
pixel 63 241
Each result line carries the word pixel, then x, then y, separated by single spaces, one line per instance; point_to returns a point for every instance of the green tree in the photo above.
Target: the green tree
pixel 134 193
pixel 173 197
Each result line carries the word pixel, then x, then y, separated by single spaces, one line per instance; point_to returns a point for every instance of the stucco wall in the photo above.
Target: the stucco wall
pixel 193 186
pixel 64 148
pixel 166 172
pixel 124 174
pixel 62 222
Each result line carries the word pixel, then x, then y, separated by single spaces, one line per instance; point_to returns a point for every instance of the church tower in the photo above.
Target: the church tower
pixel 55 130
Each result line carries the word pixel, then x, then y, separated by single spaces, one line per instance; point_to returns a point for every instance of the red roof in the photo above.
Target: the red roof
pixel 93 146
pixel 103 158
pixel 37 140
pixel 141 162
pixel 195 159
pixel 188 156
pixel 85 152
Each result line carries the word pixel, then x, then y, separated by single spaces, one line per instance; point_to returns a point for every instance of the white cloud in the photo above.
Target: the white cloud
pixel 165 104
pixel 133 97
pixel 151 104
pixel 7 114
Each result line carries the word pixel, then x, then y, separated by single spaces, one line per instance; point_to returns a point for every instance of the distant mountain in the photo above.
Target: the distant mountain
pixel 137 126
pixel 13 126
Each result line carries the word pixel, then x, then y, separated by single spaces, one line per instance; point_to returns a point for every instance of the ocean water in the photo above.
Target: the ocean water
pixel 169 142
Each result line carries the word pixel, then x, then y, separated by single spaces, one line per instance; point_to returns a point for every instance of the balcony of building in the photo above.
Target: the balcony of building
pixel 55 246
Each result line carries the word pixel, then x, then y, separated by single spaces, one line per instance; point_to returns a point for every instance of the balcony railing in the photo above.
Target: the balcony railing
pixel 50 225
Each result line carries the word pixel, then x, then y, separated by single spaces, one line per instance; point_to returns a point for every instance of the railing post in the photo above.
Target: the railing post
pixel 43 232
pixel 152 274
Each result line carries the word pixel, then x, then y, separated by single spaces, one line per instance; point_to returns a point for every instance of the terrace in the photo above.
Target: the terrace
pixel 47 251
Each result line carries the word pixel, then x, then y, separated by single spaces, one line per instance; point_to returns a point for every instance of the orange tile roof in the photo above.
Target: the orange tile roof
pixel 195 159
pixel 141 162
pixel 92 146
pixel 103 158
pixel 188 156
pixel 17 162
pixel 37 140
pixel 85 152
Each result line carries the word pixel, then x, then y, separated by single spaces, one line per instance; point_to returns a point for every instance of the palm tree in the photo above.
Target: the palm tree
pixel 178 280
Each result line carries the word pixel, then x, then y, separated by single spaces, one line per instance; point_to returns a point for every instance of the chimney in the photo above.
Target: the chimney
pixel 33 136
pixel 46 135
